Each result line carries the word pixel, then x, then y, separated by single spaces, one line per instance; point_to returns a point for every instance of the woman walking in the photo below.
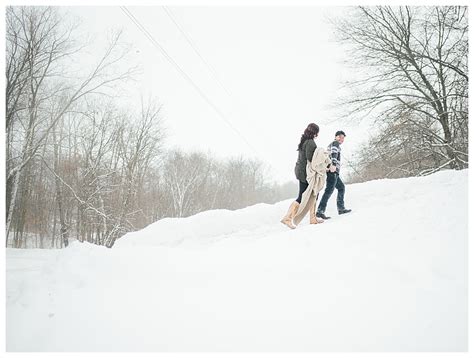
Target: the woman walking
pixel 316 177
pixel 306 148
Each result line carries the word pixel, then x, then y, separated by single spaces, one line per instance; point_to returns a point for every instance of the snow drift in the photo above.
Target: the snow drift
pixel 390 276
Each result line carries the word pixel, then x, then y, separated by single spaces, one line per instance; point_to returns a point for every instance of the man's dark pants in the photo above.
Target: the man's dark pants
pixel 333 182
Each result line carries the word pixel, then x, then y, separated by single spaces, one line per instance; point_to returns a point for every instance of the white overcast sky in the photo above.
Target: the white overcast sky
pixel 281 66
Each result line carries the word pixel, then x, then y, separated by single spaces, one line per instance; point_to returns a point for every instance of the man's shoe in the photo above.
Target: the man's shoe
pixel 344 211
pixel 322 216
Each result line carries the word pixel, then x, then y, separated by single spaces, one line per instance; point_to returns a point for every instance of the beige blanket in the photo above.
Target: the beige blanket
pixel 316 178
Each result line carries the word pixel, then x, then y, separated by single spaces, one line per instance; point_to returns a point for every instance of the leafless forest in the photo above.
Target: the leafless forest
pixel 80 168
pixel 413 77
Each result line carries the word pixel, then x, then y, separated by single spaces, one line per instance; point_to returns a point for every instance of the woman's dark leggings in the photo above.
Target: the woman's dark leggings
pixel 303 187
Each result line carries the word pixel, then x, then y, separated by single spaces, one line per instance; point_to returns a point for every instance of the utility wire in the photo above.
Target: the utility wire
pixel 184 75
pixel 195 48
pixel 211 69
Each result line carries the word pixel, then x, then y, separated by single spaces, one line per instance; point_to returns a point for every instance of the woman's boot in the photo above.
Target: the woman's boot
pixel 288 219
pixel 312 215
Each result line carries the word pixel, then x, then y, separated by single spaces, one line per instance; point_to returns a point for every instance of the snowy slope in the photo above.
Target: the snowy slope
pixel 391 276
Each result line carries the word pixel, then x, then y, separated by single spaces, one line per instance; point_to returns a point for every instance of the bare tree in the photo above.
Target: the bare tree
pixel 184 174
pixel 138 144
pixel 36 99
pixel 415 74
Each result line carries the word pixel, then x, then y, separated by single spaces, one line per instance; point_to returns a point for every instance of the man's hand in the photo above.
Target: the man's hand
pixel 332 168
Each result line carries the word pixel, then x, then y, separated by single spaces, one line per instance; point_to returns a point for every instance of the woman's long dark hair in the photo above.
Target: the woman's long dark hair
pixel 311 130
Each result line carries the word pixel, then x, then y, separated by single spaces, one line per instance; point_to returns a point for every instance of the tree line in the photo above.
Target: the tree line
pixel 80 167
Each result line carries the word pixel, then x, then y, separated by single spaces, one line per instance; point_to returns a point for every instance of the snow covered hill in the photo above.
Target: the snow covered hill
pixel 390 276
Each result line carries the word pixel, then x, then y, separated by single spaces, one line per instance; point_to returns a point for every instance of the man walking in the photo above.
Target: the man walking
pixel 333 180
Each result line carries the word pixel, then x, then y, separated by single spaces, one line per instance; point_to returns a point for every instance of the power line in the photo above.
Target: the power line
pixel 195 48
pixel 183 73
pixel 211 69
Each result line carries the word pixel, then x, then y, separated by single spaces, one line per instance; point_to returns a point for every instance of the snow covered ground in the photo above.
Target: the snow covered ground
pixel 390 276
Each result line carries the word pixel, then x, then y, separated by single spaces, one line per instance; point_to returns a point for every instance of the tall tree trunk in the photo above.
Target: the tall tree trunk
pixel 59 195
